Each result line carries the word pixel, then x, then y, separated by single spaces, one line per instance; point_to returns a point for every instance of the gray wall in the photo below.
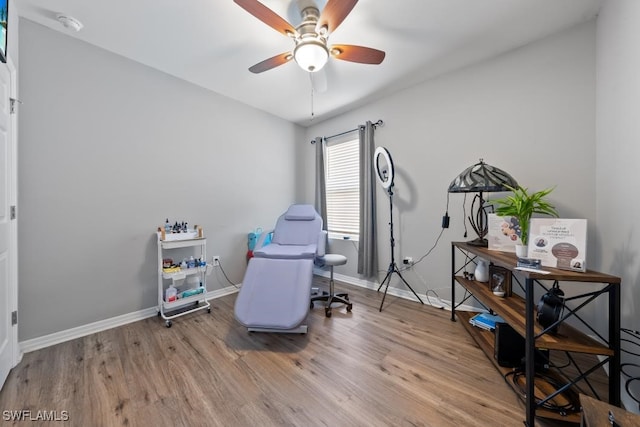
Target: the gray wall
pixel 108 149
pixel 617 204
pixel 530 112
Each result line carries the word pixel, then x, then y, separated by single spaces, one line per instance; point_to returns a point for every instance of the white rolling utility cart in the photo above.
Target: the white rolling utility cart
pixel 182 274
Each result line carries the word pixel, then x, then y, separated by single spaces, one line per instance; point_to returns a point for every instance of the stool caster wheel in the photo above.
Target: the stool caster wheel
pixel 327 312
pixel 168 323
pixel 349 307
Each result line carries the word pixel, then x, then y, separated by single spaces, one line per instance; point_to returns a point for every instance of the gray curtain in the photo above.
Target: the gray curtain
pixel 321 198
pixel 368 250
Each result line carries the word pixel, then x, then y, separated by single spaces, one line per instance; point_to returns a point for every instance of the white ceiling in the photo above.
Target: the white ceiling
pixel 212 43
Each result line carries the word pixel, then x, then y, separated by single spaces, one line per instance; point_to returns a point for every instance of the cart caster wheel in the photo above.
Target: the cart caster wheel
pixel 209 310
pixel 168 323
pixel 159 314
pixel 349 307
pixel 327 312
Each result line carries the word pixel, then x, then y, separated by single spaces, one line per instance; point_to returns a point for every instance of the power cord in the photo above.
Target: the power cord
pixel 445 224
pixel 225 276
pixel 432 247
pixel 442 303
pixel 572 404
pixel 630 342
pixel 464 214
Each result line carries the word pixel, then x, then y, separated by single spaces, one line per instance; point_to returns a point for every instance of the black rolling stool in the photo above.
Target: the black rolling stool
pixel 342 298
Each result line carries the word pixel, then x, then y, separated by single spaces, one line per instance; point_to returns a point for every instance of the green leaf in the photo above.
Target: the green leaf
pixel 523 205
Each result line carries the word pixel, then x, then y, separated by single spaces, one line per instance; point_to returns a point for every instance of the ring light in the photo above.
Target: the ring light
pixel 384 167
pixel 384 174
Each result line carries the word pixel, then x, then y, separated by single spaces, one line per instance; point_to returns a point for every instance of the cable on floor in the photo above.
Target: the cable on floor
pixel 572 399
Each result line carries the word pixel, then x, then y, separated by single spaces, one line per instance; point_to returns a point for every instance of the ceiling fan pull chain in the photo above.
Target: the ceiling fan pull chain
pixel 311 81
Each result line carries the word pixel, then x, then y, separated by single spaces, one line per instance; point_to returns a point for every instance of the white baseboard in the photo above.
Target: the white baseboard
pixel 102 325
pixel 402 293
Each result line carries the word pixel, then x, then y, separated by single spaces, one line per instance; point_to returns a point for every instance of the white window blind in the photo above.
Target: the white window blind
pixel 342 170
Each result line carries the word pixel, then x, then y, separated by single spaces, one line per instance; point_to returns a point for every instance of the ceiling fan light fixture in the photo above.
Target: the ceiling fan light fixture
pixel 311 55
pixel 310 36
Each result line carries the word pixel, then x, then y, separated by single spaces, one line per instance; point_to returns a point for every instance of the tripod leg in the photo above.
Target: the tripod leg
pixel 385 293
pixel 387 279
pixel 388 276
pixel 408 285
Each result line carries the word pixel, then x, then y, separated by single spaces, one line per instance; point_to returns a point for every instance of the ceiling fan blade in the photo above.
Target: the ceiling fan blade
pixel 272 62
pixel 267 16
pixel 361 54
pixel 334 13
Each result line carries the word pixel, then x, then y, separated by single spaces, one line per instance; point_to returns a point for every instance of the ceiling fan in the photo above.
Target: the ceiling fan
pixel 311 50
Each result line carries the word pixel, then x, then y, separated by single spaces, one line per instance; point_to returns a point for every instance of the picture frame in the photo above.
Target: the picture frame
pixel 4 29
pixel 503 233
pixel 500 276
pixel 559 242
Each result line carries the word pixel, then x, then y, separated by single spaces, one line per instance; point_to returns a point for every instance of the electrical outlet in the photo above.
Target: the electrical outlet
pixel 216 260
pixel 407 261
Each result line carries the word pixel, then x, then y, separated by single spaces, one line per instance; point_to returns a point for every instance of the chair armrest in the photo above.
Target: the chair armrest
pixel 262 238
pixel 322 243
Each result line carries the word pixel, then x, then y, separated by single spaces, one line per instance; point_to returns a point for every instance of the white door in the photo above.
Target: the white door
pixel 8 227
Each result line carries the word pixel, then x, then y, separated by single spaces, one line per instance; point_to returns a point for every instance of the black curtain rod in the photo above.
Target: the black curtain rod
pixel 375 125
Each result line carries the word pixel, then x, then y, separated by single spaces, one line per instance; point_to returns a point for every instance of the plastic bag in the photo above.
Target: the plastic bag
pixel 252 240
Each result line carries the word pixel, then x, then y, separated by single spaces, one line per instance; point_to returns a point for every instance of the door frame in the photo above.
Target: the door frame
pixel 13 200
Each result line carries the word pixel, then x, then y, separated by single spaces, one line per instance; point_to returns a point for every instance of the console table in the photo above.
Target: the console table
pixel 519 312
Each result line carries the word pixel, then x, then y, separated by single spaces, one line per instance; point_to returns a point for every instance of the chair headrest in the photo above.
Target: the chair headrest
pixel 300 213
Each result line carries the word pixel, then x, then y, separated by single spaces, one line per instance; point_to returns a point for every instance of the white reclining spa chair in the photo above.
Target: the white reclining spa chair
pixel 276 290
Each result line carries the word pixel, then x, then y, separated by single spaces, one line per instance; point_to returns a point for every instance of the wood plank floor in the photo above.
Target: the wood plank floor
pixel 407 366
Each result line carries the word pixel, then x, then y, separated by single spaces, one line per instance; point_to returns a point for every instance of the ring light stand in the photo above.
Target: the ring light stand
pixel 384 174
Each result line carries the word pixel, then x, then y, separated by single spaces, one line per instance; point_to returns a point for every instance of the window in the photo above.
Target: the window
pixel 342 169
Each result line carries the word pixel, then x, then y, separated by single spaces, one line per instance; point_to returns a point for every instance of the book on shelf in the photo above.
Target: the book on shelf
pixel 559 242
pixel 486 321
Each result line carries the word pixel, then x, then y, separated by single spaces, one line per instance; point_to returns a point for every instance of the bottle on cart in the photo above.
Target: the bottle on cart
pixel 192 262
pixel 171 294
pixel 167 226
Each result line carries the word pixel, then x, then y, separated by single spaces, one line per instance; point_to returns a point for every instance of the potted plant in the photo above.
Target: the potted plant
pixel 522 205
